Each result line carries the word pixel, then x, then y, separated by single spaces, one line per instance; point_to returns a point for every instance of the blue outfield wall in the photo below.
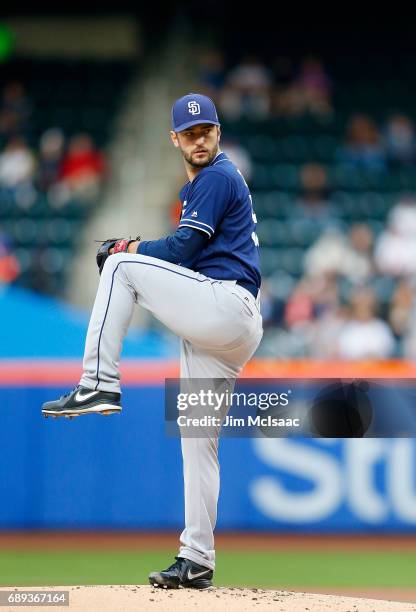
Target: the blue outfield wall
pixel 123 472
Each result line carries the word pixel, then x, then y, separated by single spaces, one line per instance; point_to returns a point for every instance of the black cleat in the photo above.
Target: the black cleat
pixel 183 573
pixel 83 401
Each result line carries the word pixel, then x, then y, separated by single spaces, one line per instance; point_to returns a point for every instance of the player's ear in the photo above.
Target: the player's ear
pixel 174 138
pixel 219 133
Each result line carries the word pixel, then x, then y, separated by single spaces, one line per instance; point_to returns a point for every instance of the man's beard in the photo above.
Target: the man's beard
pixel 200 164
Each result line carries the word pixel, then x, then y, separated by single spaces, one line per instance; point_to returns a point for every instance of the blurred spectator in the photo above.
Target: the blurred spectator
pixel 400 140
pixel 361 241
pixel 300 307
pixel 364 336
pixel 311 309
pixel 409 343
pixel 247 90
pixel 363 147
pixel 351 258
pixel 395 251
pixel 401 307
pixel 82 168
pixel 330 318
pixel 313 78
pixel 325 293
pixel 50 158
pixel 239 156
pixel 17 164
pixel 315 86
pixel 9 265
pixel 308 92
pixel 325 332
pixel 403 216
pixel 15 110
pixel 403 316
pixel 313 201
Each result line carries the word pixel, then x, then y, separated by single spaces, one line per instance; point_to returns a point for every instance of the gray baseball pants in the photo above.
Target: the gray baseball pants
pixel 220 327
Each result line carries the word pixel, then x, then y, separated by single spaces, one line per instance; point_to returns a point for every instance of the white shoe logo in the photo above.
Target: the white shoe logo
pixel 82 398
pixel 192 576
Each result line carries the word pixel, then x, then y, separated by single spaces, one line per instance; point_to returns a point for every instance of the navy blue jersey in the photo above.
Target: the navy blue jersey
pixel 218 203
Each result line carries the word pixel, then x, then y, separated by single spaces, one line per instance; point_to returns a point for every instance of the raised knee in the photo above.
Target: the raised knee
pixel 112 262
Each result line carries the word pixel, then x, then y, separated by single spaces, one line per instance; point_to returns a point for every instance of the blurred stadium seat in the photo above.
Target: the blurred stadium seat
pixel 76 96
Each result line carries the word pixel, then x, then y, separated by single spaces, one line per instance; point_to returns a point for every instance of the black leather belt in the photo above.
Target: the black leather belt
pixel 250 287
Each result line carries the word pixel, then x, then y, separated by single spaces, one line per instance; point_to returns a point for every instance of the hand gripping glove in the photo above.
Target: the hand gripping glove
pixel 120 245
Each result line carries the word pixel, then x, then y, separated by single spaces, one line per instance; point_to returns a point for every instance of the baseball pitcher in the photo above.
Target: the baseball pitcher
pixel 203 283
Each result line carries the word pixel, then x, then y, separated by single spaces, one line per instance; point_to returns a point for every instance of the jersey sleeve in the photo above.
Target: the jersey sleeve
pixel 182 248
pixel 208 200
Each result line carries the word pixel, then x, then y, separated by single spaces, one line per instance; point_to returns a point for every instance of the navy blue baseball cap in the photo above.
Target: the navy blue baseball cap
pixel 193 109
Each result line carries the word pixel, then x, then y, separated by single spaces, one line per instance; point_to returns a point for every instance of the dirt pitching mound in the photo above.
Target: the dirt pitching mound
pixel 123 598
